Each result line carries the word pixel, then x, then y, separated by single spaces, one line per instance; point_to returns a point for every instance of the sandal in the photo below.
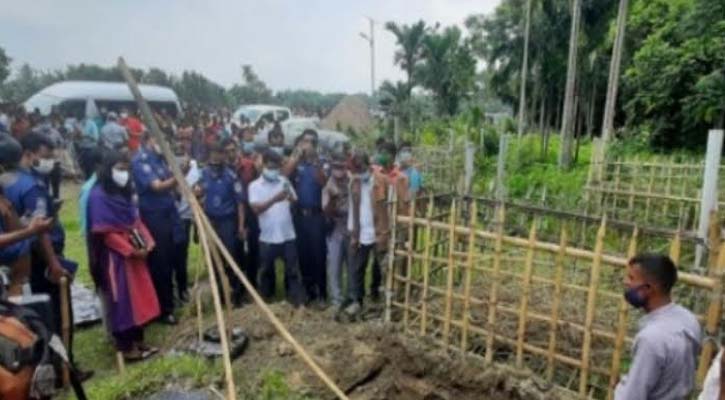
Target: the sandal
pixel 133 356
pixel 147 350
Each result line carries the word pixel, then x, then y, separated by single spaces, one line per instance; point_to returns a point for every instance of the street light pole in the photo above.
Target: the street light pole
pixel 370 38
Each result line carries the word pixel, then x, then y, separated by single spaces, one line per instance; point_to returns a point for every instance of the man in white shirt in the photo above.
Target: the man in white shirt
pixel 270 197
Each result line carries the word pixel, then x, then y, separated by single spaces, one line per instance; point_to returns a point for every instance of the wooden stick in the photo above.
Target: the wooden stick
pixel 675 249
pixel 591 304
pixel 409 262
pixel 391 258
pixel 621 327
pixel 450 269
pixel 426 268
pixel 120 363
pixel 524 307
pixel 65 323
pixel 493 299
pixel 716 269
pixel 554 323
pixel 200 219
pixel 650 186
pixel 467 281
pixel 226 289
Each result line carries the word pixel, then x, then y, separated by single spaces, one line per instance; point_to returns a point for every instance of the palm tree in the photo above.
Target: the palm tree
pixel 410 41
pixel 608 124
pixel 568 117
pixel 393 97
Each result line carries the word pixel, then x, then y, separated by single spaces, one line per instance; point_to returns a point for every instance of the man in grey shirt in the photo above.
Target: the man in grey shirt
pixel 113 134
pixel 664 352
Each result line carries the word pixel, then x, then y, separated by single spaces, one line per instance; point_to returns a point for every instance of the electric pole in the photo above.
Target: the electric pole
pixel 370 38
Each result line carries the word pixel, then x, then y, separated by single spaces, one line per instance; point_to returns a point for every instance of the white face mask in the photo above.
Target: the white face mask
pixel 120 177
pixel 45 165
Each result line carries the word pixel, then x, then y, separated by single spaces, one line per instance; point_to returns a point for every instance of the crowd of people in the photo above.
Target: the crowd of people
pixel 324 213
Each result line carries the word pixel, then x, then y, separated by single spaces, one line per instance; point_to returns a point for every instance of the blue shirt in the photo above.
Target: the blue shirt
pixel 309 191
pixel 10 253
pixel 223 192
pixel 30 197
pixel 146 167
pixel 83 202
pixel 415 180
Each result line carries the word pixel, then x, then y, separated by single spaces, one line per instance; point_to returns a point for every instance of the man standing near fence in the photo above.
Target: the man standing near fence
pixel 664 352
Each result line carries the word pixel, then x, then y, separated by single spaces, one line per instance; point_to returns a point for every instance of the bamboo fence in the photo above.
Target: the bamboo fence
pixel 662 192
pixel 442 167
pixel 553 307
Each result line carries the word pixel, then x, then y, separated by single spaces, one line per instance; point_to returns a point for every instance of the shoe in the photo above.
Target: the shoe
pixel 168 319
pixel 353 309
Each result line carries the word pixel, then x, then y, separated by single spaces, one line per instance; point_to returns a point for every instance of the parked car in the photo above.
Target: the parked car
pixel 80 98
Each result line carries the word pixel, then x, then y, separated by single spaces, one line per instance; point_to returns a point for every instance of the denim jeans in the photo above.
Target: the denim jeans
pixel 268 254
pixel 338 244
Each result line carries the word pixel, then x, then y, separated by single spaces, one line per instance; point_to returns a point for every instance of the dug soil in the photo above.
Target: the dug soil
pixel 367 360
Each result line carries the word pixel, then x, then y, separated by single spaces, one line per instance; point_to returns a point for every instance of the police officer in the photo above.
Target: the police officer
pixel 26 189
pixel 157 204
pixel 305 170
pixel 223 195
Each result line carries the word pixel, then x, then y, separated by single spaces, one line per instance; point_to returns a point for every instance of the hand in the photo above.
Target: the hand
pixel 281 196
pixel 140 253
pixel 40 224
pixel 198 192
pixel 55 272
pixel 242 234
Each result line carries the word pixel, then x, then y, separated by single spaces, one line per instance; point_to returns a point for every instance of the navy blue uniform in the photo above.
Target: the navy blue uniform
pixel 30 197
pixel 310 227
pixel 159 213
pixel 223 195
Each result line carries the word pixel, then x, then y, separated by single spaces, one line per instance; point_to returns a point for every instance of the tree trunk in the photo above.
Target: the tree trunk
pixel 613 84
pixel 557 116
pixel 591 111
pixel 542 113
pixel 568 117
pixel 524 71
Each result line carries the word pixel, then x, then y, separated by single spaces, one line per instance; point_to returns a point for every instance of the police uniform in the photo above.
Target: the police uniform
pixel 310 228
pixel 30 197
pixel 223 194
pixel 159 213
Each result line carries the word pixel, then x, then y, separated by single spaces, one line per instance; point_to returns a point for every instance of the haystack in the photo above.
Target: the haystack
pixel 350 112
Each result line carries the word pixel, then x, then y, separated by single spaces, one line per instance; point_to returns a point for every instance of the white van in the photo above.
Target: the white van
pixel 81 98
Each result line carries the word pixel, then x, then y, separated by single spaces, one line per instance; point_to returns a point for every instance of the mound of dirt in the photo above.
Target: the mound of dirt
pixel 369 361
pixel 350 112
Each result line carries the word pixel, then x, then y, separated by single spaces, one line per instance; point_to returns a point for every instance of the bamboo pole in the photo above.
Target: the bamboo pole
pixel 201 220
pixel 650 187
pixel 226 289
pixel 467 281
pixel 493 300
pixel 409 268
pixel 621 327
pixel 450 270
pixel 391 257
pixel 591 305
pixel 555 306
pixel 426 268
pixel 716 270
pixel 528 268
pixel 675 249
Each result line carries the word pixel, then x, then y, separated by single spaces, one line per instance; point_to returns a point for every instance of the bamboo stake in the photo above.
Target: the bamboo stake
pixel 449 278
pixel 493 300
pixel 668 187
pixel 391 258
pixel 226 289
pixel 426 268
pixel 650 186
pixel 529 268
pixel 621 327
pixel 409 269
pixel 716 270
pixel 65 323
pixel 675 247
pixel 467 282
pixel 591 304
pixel 554 323
pixel 200 219
pixel 120 363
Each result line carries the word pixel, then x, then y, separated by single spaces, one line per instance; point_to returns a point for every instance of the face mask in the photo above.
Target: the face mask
pixel 383 159
pixel 124 115
pixel 120 177
pixel 278 149
pixel 271 175
pixel 405 157
pixel 44 166
pixel 248 147
pixel 634 298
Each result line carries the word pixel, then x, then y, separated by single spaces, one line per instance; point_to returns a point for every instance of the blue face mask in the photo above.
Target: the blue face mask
pixel 271 175
pixel 278 149
pixel 634 298
pixel 248 147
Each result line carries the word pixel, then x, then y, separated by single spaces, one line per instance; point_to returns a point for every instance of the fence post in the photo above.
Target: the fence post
pixel 396 131
pixel 468 167
pixel 709 199
pixel 501 168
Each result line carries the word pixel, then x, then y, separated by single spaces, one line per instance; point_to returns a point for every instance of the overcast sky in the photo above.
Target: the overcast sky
pixel 312 44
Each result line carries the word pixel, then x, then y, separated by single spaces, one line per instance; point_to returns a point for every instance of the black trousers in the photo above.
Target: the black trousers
pixel 312 248
pixel 227 229
pixel 161 259
pixel 250 257
pixel 181 276
pixel 85 155
pixel 268 254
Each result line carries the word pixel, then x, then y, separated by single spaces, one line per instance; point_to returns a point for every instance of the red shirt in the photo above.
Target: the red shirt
pixel 135 128
pixel 247 170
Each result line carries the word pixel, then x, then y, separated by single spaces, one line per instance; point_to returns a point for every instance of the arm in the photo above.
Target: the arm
pixel 37 225
pixel 291 165
pixel 119 243
pixel 241 222
pixel 163 185
pixel 643 374
pixel 355 193
pixel 263 206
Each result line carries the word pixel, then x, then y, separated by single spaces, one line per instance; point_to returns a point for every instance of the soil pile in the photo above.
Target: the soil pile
pixel 350 112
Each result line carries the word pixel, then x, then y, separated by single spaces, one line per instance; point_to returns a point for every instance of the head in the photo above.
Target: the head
pixel 10 152
pixel 248 134
pixel 359 162
pixel 338 166
pixel 151 143
pixel 272 163
pixel 230 151
pixel 114 173
pixel 308 141
pixel 111 116
pixel 275 137
pixel 37 153
pixel 386 155
pixel 217 155
pixel 124 112
pixel 649 281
